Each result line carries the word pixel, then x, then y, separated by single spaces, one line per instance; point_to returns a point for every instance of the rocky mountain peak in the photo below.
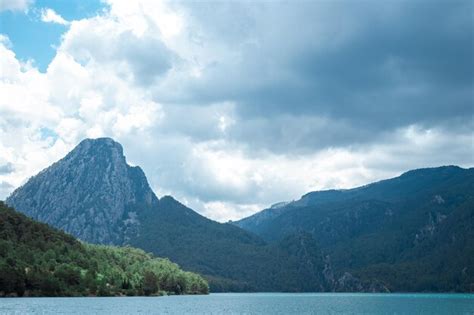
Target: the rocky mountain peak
pixel 91 193
pixel 104 151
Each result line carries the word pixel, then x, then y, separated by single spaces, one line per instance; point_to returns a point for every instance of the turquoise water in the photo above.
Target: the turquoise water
pixel 248 303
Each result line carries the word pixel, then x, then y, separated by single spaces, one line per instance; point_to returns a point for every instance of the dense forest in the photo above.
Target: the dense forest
pixel 37 260
pixel 230 258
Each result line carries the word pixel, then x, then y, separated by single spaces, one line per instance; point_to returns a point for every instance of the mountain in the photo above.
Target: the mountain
pixel 231 258
pixel 414 232
pixel 37 260
pixel 93 194
pixel 410 233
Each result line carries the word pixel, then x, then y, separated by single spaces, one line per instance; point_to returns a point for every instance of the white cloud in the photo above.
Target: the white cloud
pixel 148 74
pixel 224 182
pixel 50 16
pixel 5 41
pixel 225 211
pixel 44 115
pixel 148 15
pixel 15 5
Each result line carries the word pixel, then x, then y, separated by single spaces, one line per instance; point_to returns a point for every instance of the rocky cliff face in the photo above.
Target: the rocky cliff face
pixel 91 193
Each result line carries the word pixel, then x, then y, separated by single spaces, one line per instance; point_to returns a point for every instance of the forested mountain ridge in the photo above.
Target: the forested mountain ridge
pixel 229 257
pixel 414 232
pixel 392 235
pixel 37 260
pixel 416 183
pixel 93 194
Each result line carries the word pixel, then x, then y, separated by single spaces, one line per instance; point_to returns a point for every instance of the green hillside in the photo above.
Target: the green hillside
pixel 37 260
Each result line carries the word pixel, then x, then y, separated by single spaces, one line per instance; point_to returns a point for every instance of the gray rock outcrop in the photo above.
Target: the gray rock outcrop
pixel 92 193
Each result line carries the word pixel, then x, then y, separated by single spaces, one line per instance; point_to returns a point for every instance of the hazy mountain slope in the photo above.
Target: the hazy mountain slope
pixel 251 223
pixel 418 225
pixel 413 187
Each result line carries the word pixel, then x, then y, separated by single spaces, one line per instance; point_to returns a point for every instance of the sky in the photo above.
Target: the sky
pixel 232 106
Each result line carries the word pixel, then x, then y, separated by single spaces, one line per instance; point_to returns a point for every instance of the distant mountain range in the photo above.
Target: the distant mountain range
pixel 410 233
pixel 414 232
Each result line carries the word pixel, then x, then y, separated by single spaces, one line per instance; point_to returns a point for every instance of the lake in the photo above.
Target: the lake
pixel 248 303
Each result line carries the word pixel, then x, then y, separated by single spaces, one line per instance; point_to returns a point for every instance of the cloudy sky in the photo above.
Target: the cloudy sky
pixel 233 106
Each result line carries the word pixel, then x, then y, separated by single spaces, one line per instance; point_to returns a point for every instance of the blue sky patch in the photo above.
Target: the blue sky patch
pixel 35 40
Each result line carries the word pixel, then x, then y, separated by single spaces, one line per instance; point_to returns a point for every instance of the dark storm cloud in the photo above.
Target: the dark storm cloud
pixel 405 69
pixel 147 58
pixel 365 68
pixel 412 66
